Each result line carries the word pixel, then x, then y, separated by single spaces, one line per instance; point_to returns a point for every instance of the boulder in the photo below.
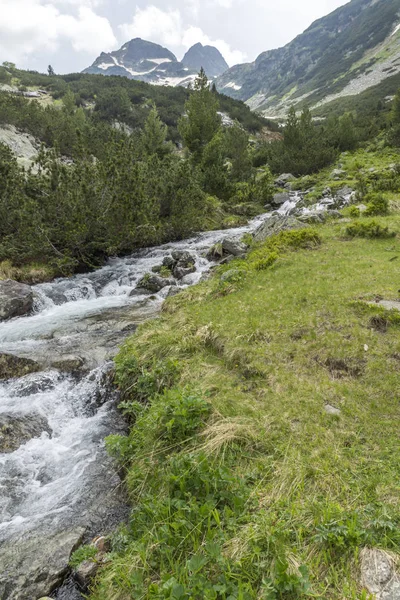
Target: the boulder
pixel 16 299
pixel 17 430
pixel 183 258
pixel 85 574
pixel 327 192
pixel 280 199
pixel 174 291
pixel 274 225
pixel 154 283
pixel 181 272
pixel 32 567
pixel 139 291
pixel 338 174
pixel 70 364
pixel 344 192
pixel 234 247
pixel 315 217
pixel 283 179
pixel 378 574
pixel 169 262
pixel 13 366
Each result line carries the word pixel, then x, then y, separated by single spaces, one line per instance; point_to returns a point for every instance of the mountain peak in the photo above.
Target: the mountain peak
pixel 146 61
pixel 208 57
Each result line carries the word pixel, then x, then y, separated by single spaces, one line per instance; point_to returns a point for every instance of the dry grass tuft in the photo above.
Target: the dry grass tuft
pixel 225 432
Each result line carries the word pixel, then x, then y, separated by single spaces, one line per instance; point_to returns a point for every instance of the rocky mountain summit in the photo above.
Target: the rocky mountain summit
pixel 149 62
pixel 208 57
pixel 345 53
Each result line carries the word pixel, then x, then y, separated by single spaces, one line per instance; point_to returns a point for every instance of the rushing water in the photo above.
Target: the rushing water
pixel 61 479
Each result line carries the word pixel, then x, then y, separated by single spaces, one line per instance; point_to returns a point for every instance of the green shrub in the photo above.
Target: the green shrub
pixel 354 212
pixel 141 382
pixel 377 205
pixel 264 262
pixel 297 239
pixel 371 229
pixel 81 554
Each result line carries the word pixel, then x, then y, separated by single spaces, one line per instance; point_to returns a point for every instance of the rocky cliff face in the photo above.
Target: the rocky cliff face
pixel 208 57
pixel 354 48
pixel 145 61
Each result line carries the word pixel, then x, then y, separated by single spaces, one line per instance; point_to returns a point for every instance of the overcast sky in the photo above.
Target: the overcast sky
pixel 70 34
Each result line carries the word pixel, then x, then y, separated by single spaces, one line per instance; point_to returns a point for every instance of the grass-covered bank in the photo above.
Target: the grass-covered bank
pixel 242 485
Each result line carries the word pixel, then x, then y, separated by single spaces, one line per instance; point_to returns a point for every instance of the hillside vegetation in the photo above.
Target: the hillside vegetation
pixel 263 454
pixel 109 178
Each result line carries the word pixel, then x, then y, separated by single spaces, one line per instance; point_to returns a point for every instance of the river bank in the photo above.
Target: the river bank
pixel 60 479
pixel 265 466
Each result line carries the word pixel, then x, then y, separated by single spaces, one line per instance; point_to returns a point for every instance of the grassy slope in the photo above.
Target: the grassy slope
pixel 268 352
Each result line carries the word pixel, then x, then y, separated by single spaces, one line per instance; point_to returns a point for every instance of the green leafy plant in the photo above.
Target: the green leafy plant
pixel 82 554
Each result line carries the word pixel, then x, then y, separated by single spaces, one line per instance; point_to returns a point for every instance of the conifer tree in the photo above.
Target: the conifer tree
pixel 201 121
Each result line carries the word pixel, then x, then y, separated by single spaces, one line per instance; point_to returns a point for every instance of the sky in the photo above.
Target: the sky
pixel 70 34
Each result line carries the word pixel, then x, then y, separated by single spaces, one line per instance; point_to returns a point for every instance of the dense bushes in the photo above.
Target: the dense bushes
pixel 306 147
pixel 119 189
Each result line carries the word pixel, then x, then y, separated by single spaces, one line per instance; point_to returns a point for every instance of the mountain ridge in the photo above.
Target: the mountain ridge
pixel 358 42
pixel 146 61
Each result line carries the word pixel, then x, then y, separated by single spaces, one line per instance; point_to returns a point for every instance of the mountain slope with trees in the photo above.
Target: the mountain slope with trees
pixel 352 49
pixel 109 178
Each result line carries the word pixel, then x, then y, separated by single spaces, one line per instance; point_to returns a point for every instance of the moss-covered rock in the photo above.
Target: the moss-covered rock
pixel 14 366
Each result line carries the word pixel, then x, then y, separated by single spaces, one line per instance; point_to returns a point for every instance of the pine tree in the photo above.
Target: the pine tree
pixel 202 121
pixel 154 135
pixel 50 71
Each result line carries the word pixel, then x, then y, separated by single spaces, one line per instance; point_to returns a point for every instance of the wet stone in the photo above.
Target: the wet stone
pixel 17 430
pixel 13 366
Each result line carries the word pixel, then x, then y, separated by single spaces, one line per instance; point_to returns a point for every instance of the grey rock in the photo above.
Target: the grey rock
pixel 344 192
pixel 32 567
pixel 17 430
pixel 338 174
pixel 139 291
pixel 275 224
pixel 315 217
pixel 85 574
pixel 174 291
pixel 169 262
pixel 154 283
pixel 280 199
pixel 227 260
pixel 327 192
pixel 331 410
pixel 234 247
pixel 16 299
pixel 70 364
pixel 378 574
pixel 181 272
pixel 183 258
pixel 283 179
pixel 12 366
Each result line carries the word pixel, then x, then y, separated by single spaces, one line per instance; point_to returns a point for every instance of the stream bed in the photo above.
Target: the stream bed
pixel 59 486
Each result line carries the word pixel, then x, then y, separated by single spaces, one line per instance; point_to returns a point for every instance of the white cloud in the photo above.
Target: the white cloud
pixel 156 25
pixel 192 35
pixel 167 28
pixel 32 26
